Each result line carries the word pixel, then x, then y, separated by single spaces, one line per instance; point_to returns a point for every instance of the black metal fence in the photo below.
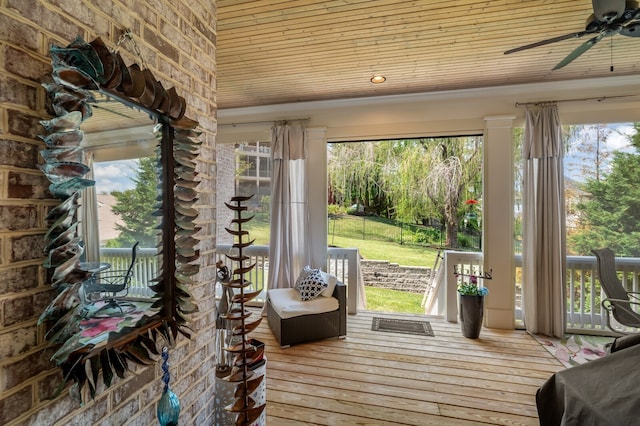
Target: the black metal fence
pixel 382 229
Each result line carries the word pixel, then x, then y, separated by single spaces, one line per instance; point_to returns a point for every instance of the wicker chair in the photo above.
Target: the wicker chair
pixel 310 327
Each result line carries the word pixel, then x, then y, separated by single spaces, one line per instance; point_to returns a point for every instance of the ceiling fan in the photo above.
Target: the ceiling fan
pixel 609 17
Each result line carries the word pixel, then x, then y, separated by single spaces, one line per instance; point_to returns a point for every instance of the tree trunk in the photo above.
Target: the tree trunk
pixel 452 236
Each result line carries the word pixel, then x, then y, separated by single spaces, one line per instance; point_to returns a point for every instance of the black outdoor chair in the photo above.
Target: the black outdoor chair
pixel 111 286
pixel 620 304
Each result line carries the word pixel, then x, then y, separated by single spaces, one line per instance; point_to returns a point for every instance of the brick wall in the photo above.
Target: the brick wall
pixel 177 39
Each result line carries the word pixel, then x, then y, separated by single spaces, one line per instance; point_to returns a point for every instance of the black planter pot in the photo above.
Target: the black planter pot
pixel 471 313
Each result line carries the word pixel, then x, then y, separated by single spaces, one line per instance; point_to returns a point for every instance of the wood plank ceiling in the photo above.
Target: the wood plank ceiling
pixel 281 51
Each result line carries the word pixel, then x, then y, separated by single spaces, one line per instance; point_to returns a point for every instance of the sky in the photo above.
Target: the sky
pixel 114 175
pixel 617 139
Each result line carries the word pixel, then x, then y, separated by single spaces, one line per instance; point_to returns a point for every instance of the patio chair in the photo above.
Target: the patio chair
pixel 111 286
pixel 620 304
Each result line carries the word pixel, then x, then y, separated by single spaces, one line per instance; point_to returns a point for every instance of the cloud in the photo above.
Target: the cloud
pixel 114 175
pixel 619 139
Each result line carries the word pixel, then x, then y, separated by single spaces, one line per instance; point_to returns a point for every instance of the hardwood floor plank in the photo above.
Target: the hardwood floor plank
pixel 382 378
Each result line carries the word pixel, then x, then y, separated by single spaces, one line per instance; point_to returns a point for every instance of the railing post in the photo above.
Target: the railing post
pixel 354 279
pixel 451 293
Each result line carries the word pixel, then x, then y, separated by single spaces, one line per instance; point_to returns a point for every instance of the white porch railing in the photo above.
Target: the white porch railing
pixel 584 294
pixel 342 262
pixel 144 270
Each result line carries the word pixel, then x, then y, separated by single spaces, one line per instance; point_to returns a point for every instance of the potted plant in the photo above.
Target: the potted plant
pixel 471 302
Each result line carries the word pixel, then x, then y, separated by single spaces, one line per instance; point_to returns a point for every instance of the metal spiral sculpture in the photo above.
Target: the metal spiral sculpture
pixel 245 352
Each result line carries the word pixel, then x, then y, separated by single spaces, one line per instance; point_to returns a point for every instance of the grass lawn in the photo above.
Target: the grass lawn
pixel 378 299
pixel 369 249
pixel 385 300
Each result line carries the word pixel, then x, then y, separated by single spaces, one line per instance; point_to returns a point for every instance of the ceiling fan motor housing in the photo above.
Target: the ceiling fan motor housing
pixel 608 10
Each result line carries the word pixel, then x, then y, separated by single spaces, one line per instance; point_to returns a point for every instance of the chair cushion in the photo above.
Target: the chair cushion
pixel 287 304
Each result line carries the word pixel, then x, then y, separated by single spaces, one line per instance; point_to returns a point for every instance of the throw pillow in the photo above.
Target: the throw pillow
pixel 331 281
pixel 312 286
pixel 303 274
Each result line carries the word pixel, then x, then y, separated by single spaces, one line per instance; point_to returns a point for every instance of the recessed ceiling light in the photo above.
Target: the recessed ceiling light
pixel 378 79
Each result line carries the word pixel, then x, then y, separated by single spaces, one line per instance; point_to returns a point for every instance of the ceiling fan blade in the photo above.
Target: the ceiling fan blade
pixel 631 30
pixel 608 10
pixel 547 41
pixel 580 50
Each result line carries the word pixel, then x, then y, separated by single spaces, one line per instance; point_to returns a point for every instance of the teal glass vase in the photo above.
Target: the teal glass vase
pixel 169 404
pixel 168 408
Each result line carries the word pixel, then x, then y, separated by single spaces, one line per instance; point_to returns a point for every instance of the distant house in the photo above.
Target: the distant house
pixel 107 220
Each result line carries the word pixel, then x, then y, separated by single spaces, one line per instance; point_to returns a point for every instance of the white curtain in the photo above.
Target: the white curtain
pixel 543 218
pixel 289 245
pixel 88 212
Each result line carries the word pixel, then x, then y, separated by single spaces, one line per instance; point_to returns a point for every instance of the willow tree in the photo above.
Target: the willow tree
pixel 408 194
pixel 355 173
pixel 419 178
pixel 453 168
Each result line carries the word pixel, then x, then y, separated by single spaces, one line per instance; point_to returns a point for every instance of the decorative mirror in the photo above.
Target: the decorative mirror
pixel 107 314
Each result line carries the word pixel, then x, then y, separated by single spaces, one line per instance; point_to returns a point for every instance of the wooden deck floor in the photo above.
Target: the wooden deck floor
pixel 381 378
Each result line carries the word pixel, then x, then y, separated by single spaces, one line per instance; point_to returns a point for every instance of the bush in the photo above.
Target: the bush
pixel 464 241
pixel 334 209
pixel 427 236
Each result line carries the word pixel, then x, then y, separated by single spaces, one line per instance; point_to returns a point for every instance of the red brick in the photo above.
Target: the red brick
pixel 18 310
pixel 162 45
pixel 18 279
pixel 15 404
pixel 54 411
pixel 28 247
pixel 18 154
pixel 18 33
pixel 15 92
pixel 14 218
pixel 48 386
pixel 95 412
pixel 25 125
pixel 134 384
pixel 27 185
pixel 20 63
pixel 26 368
pixel 122 413
pixel 48 19
pixel 17 342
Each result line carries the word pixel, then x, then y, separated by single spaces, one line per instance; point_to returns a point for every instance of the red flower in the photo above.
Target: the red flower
pixel 472 201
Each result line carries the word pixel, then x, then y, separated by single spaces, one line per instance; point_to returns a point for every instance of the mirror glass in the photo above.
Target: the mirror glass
pixel 116 133
pixel 120 146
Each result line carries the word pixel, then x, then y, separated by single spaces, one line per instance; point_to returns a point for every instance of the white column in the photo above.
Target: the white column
pixel 318 188
pixel 498 171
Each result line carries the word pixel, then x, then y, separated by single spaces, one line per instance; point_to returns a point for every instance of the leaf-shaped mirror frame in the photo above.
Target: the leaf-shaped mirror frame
pixel 79 70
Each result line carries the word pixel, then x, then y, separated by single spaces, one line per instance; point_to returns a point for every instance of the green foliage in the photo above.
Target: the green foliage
pixel 414 179
pixel 136 206
pixel 265 203
pixel 610 215
pixel 469 289
pixel 464 241
pixel 334 209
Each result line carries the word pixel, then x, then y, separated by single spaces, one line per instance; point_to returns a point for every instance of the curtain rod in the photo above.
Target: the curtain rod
pixel 599 99
pixel 265 122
